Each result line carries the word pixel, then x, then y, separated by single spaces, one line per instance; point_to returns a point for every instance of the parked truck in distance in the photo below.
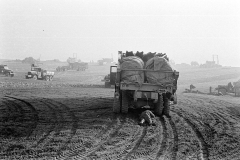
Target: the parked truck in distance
pixel 110 78
pixel 6 71
pixel 37 73
pixel 141 95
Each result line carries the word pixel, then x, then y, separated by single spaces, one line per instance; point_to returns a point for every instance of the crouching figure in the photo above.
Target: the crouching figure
pixel 147 116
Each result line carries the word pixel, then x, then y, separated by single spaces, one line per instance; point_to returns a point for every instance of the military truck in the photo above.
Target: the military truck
pixel 37 73
pixel 6 71
pixel 144 95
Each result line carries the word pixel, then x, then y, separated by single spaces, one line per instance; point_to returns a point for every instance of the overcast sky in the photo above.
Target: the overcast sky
pixel 187 30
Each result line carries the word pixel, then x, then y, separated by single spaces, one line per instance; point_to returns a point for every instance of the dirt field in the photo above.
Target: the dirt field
pixel 71 118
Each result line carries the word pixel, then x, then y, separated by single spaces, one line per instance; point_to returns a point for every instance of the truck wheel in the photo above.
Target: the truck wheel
pixel 175 98
pixel 35 77
pixel 159 105
pixel 166 104
pixel 47 78
pixel 107 85
pixel 124 108
pixel 51 78
pixel 116 104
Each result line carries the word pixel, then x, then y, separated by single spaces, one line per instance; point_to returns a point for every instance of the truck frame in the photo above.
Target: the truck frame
pixel 152 96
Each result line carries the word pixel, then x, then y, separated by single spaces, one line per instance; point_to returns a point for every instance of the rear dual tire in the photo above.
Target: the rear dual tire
pixel 124 108
pixel 116 104
pixel 162 107
pixel 120 103
pixel 158 109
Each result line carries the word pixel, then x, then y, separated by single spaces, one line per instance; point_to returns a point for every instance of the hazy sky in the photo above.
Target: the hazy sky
pixel 187 30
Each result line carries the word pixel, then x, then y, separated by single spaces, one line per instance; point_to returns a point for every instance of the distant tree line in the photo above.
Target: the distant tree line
pixel 29 60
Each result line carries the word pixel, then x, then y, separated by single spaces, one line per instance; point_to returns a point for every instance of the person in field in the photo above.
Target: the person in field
pixel 148 117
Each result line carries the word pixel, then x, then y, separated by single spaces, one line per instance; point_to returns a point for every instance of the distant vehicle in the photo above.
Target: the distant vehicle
pixel 6 71
pixel 62 68
pixel 38 73
pixel 105 60
pixel 79 66
pixel 110 78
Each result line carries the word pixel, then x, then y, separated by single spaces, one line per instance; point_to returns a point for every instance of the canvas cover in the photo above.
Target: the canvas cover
pixel 158 64
pixel 132 62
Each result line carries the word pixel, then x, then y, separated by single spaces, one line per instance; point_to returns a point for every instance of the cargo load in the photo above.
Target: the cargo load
pixel 157 94
pixel 162 65
pixel 131 76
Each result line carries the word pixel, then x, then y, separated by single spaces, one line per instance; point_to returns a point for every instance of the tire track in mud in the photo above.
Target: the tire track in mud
pixel 143 134
pixel 105 137
pixel 175 142
pixel 33 110
pixel 149 142
pixel 217 124
pixel 74 126
pixel 110 136
pixel 56 128
pixel 204 153
pixel 163 145
pixel 217 117
pixel 53 124
pixel 17 108
pixel 56 125
pixel 171 149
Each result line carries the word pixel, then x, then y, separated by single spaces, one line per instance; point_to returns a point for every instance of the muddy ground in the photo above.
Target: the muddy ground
pixel 71 118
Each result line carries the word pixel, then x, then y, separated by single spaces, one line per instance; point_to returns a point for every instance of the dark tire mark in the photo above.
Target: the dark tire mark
pixel 74 152
pixel 163 145
pixel 144 132
pixel 15 109
pixel 73 128
pixel 56 120
pixel 106 140
pixel 204 145
pixel 34 111
pixel 175 134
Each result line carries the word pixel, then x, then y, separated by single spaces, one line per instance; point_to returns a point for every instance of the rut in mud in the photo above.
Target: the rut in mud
pixel 84 127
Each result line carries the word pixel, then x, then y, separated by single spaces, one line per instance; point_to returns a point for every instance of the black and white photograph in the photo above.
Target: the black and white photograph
pixel 119 80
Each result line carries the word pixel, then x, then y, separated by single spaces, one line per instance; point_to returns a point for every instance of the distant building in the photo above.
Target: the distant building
pixel 210 64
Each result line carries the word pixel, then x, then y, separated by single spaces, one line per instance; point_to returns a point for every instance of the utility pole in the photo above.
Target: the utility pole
pixel 214 55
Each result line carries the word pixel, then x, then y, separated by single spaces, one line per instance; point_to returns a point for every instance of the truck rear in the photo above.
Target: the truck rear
pixel 144 86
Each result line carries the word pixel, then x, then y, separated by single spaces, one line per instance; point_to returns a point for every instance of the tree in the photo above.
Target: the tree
pixel 29 60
